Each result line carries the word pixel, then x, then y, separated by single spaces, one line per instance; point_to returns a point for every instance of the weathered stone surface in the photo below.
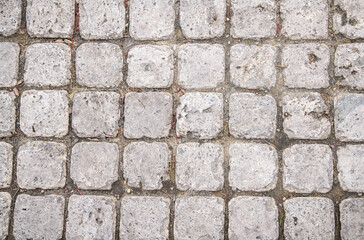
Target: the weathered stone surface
pixel 6 165
pixel 145 164
pixel 199 167
pixel 351 217
pixel 350 21
pixel 94 165
pixel 7 113
pixel 9 63
pixel 5 204
pixel 201 65
pixel 10 17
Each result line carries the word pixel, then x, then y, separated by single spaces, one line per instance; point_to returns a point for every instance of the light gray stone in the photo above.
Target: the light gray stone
pixel 199 167
pixel 253 166
pixel 96 114
pixel 38 217
pixel 253 218
pixel 9 63
pixel 5 204
pixel 201 65
pixel 6 164
pixel 7 113
pixel 150 66
pixel 144 218
pixel 94 165
pixel 199 218
pixel 10 17
pixel 253 67
pixel 349 22
pixel 147 114
pixel 351 218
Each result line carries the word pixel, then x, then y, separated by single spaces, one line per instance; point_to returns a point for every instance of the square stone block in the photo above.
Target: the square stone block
pixel 6 164
pixel 5 204
pixel 9 63
pixel 7 113
pixel 351 218
pixel 10 17
pixel 349 21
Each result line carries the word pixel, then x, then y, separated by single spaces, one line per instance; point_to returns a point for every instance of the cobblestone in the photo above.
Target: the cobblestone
pixel 10 17
pixel 351 217
pixel 7 113
pixel 9 63
pixel 5 201
pixel 349 20
pixel 6 164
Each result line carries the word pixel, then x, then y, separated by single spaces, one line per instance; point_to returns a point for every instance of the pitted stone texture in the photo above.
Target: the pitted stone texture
pixel 150 66
pixel 51 18
pixel 201 65
pixel 96 114
pixel 305 116
pixel 253 19
pixel 7 113
pixel 349 117
pixel 6 164
pixel 200 19
pixel 47 64
pixel 349 22
pixel 94 165
pixel 9 63
pixel 351 218
pixel 91 217
pixel 152 20
pixel 44 113
pixel 147 114
pixel 199 218
pixel 306 65
pixel 200 167
pixel 253 218
pixel 253 166
pixel 304 19
pixel 146 165
pixel 5 204
pixel 38 217
pixel 309 218
pixel 144 218
pixel 41 165
pixel 102 19
pixel 308 168
pixel 253 67
pixel 252 116
pixel 99 65
pixel 349 64
pixel 200 115
pixel 10 17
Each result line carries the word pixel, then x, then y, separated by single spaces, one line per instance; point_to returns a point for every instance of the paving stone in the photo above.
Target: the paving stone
pixel 199 167
pixel 199 218
pixel 253 166
pixel 5 204
pixel 253 67
pixel 96 114
pixel 308 168
pixel 306 65
pixel 253 19
pixel 44 113
pixel 99 65
pixel 147 114
pixel 305 116
pixel 201 65
pixel 50 19
pixel 6 165
pixel 349 20
pixel 200 19
pixel 150 66
pixel 146 165
pixel 200 115
pixel 253 218
pixel 309 218
pixel 9 63
pixel 38 217
pixel 102 19
pixel 94 165
pixel 7 113
pixel 47 64
pixel 144 218
pixel 152 20
pixel 10 17
pixel 304 19
pixel 91 217
pixel 41 165
pixel 349 65
pixel 349 117
pixel 351 217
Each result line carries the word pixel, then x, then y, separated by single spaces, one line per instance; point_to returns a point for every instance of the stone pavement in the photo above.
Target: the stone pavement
pixel 182 119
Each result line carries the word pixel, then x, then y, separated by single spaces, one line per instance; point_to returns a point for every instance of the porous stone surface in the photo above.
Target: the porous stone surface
pixel 200 115
pixel 96 114
pixel 309 218
pixel 199 167
pixel 6 164
pixel 253 166
pixel 99 65
pixel 94 165
pixel 146 165
pixel 200 19
pixel 38 217
pixel 253 67
pixel 348 18
pixel 152 20
pixel 7 113
pixel 201 65
pixel 5 204
pixel 308 168
pixel 144 218
pixel 351 217
pixel 253 218
pixel 150 66
pixel 147 114
pixel 91 217
pixel 199 218
pixel 9 63
pixel 10 17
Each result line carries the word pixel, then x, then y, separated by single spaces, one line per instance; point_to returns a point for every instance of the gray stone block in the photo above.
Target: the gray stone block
pixel 351 218
pixel 350 21
pixel 10 17
pixel 5 204
pixel 6 164
pixel 7 113
pixel 9 63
